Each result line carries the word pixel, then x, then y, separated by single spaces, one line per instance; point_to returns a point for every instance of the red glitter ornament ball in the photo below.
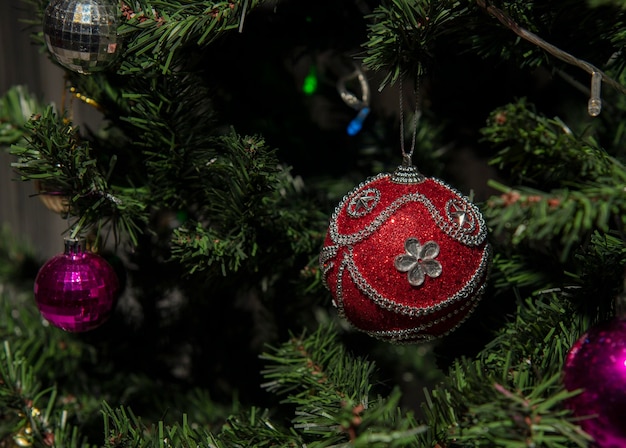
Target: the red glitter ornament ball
pixel 76 290
pixel 406 257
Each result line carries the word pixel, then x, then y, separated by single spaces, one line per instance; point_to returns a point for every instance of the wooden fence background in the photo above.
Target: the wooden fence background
pixel 22 62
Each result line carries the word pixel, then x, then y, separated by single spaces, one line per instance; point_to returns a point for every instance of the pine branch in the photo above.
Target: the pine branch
pixel 55 154
pixel 405 39
pixel 402 36
pixel 29 412
pixel 584 182
pixel 548 47
pixel 558 220
pixel 153 32
pixel 524 270
pixel 257 428
pixel 331 393
pixel 122 428
pixel 17 106
pixel 52 385
pixel 511 394
pixel 160 30
pixel 252 213
pixel 532 146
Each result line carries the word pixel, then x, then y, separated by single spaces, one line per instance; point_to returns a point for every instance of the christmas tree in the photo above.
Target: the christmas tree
pixel 264 178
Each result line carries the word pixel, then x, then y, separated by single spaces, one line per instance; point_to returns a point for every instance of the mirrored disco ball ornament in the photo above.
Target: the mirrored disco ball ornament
pixel 76 290
pixel 82 34
pixel 405 257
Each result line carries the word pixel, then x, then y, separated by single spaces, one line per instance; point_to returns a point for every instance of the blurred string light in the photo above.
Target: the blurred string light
pixel 360 104
pixel 355 126
pixel 309 86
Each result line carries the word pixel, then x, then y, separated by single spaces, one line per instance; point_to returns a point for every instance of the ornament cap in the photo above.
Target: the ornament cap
pixel 73 246
pixel 407 174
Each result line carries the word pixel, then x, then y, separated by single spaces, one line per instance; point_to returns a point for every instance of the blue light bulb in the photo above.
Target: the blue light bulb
pixel 357 123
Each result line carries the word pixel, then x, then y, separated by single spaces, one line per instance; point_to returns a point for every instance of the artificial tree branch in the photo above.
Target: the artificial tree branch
pixel 548 47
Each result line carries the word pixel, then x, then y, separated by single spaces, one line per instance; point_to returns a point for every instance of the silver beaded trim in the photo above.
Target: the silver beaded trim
pixel 413 334
pixel 326 263
pixel 371 293
pixel 338 302
pixel 326 254
pixel 449 225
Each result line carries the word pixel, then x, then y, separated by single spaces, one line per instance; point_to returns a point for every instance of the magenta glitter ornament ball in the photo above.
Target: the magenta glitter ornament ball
pixel 406 257
pixel 77 290
pixel 596 363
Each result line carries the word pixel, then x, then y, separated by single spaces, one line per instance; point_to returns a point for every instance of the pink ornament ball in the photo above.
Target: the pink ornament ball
pixel 596 363
pixel 77 290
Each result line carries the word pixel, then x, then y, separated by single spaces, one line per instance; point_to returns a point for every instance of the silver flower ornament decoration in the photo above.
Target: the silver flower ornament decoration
pixel 419 261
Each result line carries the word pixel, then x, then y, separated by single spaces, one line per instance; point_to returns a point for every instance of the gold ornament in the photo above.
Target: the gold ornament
pixel 85 99
pixel 24 437
pixel 53 200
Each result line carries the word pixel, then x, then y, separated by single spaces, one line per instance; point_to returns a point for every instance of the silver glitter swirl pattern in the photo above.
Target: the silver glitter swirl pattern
pixel 460 233
pixel 414 334
pixel 467 292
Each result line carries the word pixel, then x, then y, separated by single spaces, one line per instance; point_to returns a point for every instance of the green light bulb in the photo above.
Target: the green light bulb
pixel 309 86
